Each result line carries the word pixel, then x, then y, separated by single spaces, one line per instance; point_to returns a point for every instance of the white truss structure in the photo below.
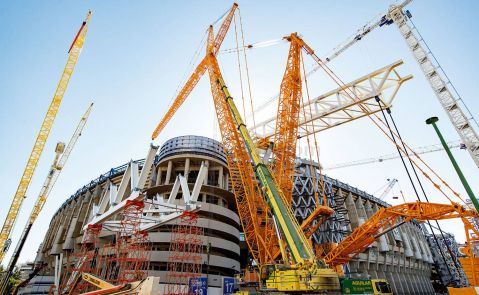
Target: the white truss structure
pixel 157 211
pixel 337 107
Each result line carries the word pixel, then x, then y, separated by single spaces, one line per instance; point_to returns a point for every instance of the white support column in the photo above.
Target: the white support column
pixel 220 177
pixel 187 168
pixel 207 163
pixel 158 176
pixel 168 172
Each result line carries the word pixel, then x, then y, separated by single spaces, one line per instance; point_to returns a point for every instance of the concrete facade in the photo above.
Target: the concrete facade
pixel 402 256
pixel 181 155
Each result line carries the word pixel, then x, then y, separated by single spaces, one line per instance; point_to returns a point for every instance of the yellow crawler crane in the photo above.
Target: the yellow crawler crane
pixel 42 137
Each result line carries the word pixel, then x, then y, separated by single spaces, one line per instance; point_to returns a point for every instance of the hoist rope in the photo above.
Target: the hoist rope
pixel 351 95
pixel 321 178
pixel 239 69
pixel 415 189
pixel 247 74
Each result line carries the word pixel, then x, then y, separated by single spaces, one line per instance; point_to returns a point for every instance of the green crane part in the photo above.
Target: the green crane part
pixel 432 121
pixel 294 236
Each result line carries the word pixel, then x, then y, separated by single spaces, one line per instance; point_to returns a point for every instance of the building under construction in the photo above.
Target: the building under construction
pixel 403 256
pixel 247 214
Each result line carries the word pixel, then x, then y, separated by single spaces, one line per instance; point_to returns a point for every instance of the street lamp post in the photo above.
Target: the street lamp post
pixel 432 121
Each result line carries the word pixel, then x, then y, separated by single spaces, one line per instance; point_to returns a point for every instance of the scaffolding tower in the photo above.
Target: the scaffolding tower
pixel 185 260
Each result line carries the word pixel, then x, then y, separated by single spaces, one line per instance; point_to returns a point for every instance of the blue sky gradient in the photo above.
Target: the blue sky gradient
pixel 137 53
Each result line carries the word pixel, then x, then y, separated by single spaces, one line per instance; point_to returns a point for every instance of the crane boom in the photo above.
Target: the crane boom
pixel 389 187
pixel 197 74
pixel 440 84
pixel 386 219
pixel 61 157
pixel 42 136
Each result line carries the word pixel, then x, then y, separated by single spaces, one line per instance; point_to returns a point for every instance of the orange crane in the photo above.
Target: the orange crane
pixel 257 225
pixel 387 219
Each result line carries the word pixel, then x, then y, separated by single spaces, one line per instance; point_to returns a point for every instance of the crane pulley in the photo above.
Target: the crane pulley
pixel 42 137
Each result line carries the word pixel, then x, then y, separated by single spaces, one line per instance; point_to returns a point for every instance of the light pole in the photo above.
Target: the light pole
pixel 432 121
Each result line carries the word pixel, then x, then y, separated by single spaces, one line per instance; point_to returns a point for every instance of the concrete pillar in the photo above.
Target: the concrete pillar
pixel 417 251
pixel 405 241
pixel 207 170
pixel 352 212
pixel 362 217
pixel 168 172
pixel 187 168
pixel 227 181
pixel 68 245
pixel 158 176
pixel 383 243
pixel 220 178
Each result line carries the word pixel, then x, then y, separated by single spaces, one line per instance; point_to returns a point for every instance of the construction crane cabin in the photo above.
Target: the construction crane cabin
pixel 45 128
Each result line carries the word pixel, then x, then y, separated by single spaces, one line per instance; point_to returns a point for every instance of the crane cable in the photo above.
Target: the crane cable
pixel 239 68
pixel 340 83
pixel 388 110
pixel 415 189
pixel 247 73
pixel 321 178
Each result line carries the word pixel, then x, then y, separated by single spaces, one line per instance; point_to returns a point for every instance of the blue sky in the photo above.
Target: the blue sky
pixel 136 54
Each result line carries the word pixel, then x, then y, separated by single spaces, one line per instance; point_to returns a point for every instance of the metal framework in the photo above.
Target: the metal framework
pixel 42 136
pixel 83 261
pixel 185 260
pixel 338 107
pixel 443 88
pixel 386 219
pixel 132 246
pixel 286 130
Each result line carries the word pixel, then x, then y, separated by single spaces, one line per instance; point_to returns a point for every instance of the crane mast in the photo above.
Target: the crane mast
pixel 61 156
pixel 42 136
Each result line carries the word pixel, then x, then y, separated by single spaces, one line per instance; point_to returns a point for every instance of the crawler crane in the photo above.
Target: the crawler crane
pixel 258 202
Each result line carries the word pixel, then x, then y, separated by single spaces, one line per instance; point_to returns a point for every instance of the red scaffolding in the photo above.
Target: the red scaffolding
pixel 83 261
pixel 185 260
pixel 127 259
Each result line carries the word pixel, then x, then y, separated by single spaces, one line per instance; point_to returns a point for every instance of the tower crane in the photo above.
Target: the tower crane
pixel 20 194
pixel 446 93
pixel 61 156
pixel 450 100
pixel 418 151
pixel 390 184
